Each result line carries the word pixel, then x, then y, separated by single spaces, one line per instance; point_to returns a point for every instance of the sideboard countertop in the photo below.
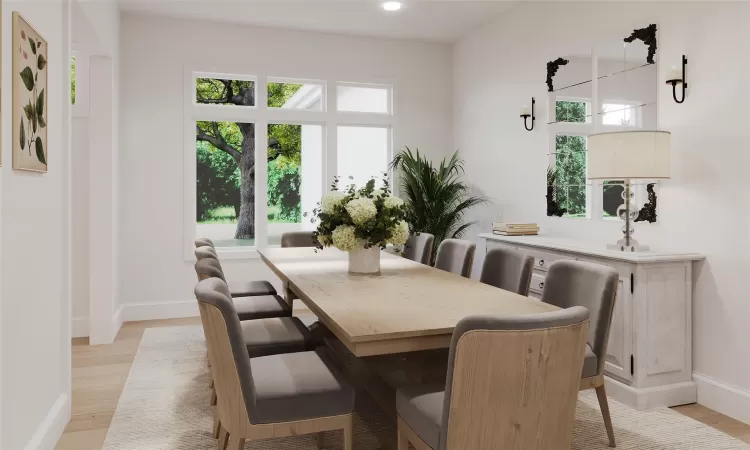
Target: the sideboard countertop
pixel 589 248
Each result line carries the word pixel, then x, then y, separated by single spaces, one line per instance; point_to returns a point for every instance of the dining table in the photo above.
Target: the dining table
pixel 407 307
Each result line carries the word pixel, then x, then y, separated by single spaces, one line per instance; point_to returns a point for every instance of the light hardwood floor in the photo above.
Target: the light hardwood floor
pixel 100 372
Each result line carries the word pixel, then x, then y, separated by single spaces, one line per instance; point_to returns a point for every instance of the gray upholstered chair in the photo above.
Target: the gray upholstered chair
pixel 512 382
pixel 204 241
pixel 248 307
pixel 593 286
pixel 456 256
pixel 508 269
pixel 270 396
pixel 204 252
pixel 419 247
pixel 237 288
pixel 297 239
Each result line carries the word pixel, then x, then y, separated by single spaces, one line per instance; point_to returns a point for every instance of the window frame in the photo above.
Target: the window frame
pixel 329 118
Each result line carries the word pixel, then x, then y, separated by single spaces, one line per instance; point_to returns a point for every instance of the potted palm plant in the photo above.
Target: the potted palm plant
pixel 436 198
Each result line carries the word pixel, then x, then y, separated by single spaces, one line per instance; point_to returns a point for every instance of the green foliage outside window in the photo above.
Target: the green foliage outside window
pixel 570 171
pixel 218 175
pixel 73 80
pixel 574 112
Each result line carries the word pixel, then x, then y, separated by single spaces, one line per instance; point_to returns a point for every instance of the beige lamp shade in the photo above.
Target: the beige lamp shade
pixel 629 155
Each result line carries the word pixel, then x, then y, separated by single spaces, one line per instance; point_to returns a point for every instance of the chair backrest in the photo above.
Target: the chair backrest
pixel 419 247
pixel 209 268
pixel 204 241
pixel 593 286
pixel 513 381
pixel 456 256
pixel 508 269
pixel 297 239
pixel 230 363
pixel 206 252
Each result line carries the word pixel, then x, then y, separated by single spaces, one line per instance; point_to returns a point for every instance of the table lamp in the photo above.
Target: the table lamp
pixel 628 155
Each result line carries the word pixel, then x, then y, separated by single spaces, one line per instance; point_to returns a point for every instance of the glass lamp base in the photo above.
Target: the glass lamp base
pixel 623 247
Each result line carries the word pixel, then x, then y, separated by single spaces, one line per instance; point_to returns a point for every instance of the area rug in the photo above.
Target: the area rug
pixel 165 406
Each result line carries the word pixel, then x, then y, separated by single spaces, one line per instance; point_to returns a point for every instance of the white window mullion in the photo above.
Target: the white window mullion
pixel 261 167
pixel 330 165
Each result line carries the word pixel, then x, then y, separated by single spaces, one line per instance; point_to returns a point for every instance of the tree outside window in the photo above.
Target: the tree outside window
pixel 225 153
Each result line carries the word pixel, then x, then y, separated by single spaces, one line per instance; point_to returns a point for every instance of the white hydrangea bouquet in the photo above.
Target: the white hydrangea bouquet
pixel 361 221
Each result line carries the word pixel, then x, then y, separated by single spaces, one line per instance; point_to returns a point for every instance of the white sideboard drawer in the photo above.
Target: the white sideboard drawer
pixel 537 283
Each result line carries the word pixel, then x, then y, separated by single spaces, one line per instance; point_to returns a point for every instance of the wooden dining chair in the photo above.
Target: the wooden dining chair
pixel 204 241
pixel 512 382
pixel 248 307
pixel 419 247
pixel 297 239
pixel 237 288
pixel 593 286
pixel 270 396
pixel 508 269
pixel 455 256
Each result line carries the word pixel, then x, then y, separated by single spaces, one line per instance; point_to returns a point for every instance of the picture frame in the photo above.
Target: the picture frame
pixel 30 145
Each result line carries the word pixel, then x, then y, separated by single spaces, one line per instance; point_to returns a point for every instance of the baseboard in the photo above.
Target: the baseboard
pixel 653 397
pixel 164 310
pixel 49 431
pixel 117 320
pixel 729 400
pixel 80 327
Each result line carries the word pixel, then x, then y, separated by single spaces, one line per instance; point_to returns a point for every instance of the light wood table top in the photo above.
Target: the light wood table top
pixel 407 307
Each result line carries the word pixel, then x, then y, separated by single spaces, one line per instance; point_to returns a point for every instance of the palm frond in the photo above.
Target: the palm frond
pixel 436 197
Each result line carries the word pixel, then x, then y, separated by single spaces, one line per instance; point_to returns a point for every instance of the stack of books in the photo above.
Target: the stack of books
pixel 515 229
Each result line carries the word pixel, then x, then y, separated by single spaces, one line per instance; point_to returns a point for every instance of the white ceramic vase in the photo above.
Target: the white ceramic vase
pixel 365 260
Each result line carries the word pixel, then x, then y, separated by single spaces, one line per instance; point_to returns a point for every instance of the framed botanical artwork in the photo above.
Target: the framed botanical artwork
pixel 29 97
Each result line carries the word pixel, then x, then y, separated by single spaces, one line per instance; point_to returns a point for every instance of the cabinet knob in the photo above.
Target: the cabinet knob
pixel 541 263
pixel 541 285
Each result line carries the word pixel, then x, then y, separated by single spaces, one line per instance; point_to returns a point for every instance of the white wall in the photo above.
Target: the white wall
pixel 155 278
pixel 702 208
pixel 34 297
pixel 80 226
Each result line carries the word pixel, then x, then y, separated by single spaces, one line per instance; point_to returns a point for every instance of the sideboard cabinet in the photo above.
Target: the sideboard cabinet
pixel 649 357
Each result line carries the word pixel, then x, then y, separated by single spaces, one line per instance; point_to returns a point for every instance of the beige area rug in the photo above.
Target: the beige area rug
pixel 165 406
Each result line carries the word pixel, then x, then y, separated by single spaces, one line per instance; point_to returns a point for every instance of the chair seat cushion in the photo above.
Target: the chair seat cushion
pixel 261 307
pixel 590 363
pixel 275 335
pixel 421 407
pixel 298 386
pixel 248 288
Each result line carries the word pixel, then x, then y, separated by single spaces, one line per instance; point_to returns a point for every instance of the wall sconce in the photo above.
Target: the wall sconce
pixel 676 77
pixel 526 113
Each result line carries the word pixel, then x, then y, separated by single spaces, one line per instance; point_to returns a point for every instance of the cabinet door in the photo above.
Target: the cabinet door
pixel 620 347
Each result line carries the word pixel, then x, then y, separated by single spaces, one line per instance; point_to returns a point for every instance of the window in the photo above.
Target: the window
pixel 294 176
pixel 570 174
pixel 620 114
pixel 363 153
pixel 213 91
pixel 363 99
pixel 255 168
pixel 572 111
pixel 295 95
pixel 72 80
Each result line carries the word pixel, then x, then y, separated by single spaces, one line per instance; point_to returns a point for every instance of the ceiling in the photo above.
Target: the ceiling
pixel 435 20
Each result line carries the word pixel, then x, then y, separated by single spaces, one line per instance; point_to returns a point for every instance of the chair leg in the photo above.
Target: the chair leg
pixel 348 435
pixel 223 438
pixel 236 443
pixel 403 441
pixel 213 397
pixel 217 428
pixel 321 440
pixel 601 394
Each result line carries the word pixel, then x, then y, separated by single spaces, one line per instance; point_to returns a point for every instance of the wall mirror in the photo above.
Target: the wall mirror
pixel 570 120
pixel 612 89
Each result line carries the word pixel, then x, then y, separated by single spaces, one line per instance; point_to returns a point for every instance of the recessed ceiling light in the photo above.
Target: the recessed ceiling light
pixel 391 6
